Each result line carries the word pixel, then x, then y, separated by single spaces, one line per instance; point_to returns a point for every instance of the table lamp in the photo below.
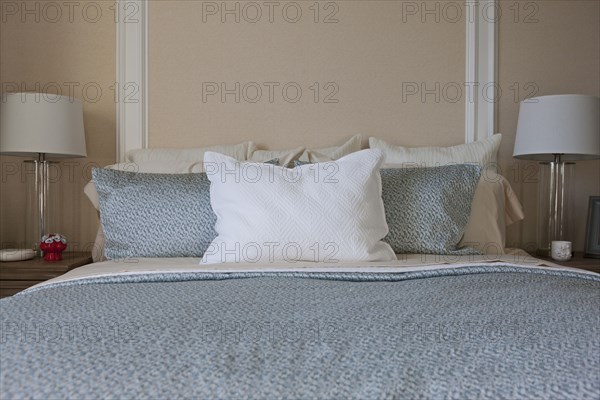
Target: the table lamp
pixel 557 130
pixel 41 126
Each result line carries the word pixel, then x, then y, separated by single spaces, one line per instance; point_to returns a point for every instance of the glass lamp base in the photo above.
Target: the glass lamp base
pixel 554 204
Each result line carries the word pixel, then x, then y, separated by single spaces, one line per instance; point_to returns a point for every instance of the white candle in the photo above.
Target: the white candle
pixel 561 250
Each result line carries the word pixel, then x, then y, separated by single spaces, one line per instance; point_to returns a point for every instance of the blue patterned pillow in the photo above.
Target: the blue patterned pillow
pixel 154 215
pixel 427 209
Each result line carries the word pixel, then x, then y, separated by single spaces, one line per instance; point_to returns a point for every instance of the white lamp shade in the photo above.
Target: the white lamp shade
pixel 34 123
pixel 561 124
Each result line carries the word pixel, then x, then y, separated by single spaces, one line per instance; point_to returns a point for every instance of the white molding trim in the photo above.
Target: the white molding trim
pixel 131 87
pixel 481 69
pixel 132 73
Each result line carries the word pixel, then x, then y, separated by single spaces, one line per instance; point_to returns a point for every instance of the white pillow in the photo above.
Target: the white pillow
pixel 483 152
pixel 239 151
pixel 324 212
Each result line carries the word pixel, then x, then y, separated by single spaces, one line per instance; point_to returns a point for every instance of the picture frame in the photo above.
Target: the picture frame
pixel 592 232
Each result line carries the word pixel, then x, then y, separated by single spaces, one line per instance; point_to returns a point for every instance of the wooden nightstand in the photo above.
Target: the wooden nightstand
pixel 578 261
pixel 19 275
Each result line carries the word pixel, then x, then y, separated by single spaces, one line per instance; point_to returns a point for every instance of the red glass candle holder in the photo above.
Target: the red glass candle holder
pixel 53 245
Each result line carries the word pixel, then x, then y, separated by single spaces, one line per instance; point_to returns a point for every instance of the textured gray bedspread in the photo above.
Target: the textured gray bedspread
pixel 477 332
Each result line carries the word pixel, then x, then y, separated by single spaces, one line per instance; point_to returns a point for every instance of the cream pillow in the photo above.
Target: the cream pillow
pixel 284 156
pixel 494 207
pixel 483 152
pixel 99 244
pixel 354 144
pixel 308 155
pixel 239 151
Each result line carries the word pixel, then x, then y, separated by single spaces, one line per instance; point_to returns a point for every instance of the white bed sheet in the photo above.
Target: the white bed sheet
pixel 405 262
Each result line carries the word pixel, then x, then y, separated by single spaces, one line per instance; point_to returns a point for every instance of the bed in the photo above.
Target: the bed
pixel 166 328
pixel 455 322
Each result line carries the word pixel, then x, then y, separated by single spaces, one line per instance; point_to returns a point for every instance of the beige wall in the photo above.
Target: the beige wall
pixel 551 48
pixel 369 53
pixel 558 54
pixel 68 50
pixel 545 47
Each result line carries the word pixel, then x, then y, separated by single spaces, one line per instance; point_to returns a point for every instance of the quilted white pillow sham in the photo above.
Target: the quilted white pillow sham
pixel 323 212
pixel 483 152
